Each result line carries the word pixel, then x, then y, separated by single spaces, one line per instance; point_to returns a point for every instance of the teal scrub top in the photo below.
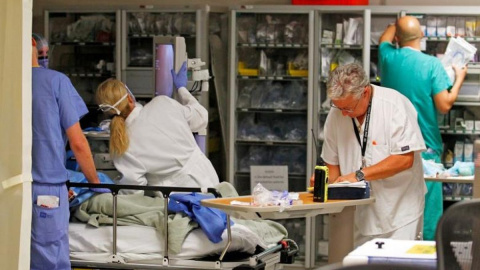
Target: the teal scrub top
pixel 419 77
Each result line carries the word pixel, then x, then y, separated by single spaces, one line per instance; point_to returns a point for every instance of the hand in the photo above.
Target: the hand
pixel 100 190
pixel 460 72
pixel 348 177
pixel 180 79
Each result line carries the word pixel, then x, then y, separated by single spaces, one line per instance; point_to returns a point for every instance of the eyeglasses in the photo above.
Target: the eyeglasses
pixel 345 109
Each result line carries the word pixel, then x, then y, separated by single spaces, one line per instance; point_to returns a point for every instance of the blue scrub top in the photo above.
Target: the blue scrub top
pixel 419 77
pixel 56 106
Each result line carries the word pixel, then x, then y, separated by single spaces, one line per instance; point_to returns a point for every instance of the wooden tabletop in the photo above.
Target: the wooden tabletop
pixel 307 208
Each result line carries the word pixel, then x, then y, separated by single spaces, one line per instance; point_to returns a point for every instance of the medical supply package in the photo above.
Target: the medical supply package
pixel 459 52
pixel 349 191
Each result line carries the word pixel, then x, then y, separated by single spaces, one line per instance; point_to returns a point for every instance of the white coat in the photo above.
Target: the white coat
pixel 393 130
pixel 162 149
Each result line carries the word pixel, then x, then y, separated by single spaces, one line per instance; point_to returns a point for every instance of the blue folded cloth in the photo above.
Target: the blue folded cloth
pixel 212 221
pixel 83 194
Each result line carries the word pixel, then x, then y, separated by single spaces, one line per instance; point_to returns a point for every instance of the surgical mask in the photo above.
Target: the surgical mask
pixel 43 61
pixel 107 107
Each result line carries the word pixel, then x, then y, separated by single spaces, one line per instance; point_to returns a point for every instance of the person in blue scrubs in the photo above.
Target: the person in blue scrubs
pixel 424 81
pixel 56 111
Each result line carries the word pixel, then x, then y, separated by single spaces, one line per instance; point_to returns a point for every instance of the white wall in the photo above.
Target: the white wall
pixel 15 133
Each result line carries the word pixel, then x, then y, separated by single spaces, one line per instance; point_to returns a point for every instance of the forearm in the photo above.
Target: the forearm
pixel 81 150
pixel 388 34
pixel 453 93
pixel 333 172
pixel 185 98
pixel 83 155
pixel 388 167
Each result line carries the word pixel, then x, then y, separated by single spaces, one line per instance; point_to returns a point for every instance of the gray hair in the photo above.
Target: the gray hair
pixel 347 80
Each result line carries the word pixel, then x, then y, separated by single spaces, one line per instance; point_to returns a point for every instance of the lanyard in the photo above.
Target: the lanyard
pixel 365 133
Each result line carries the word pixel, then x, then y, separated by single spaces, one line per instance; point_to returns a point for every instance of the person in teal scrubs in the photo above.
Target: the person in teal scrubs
pixel 422 79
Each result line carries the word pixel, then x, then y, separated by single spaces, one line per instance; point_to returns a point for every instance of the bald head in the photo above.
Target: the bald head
pixel 408 30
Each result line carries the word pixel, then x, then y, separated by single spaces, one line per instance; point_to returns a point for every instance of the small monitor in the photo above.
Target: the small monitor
pixel 170 53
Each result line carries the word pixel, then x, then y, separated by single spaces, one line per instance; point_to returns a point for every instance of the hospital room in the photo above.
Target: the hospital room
pixel 250 134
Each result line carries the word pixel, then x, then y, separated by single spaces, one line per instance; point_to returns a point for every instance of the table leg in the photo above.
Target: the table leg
pixel 340 241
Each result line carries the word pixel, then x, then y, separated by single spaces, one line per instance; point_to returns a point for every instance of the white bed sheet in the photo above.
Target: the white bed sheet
pixel 142 243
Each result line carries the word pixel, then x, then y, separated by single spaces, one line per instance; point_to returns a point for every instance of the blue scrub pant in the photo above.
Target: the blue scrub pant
pixel 49 246
pixel 433 202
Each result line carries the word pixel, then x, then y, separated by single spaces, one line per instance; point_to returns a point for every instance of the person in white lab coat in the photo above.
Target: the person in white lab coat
pixel 153 144
pixel 372 134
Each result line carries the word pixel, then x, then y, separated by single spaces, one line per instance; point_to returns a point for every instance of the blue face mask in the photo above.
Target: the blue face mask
pixel 43 62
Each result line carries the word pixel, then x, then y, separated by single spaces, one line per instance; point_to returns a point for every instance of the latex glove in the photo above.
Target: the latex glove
pixel 180 79
pixel 100 190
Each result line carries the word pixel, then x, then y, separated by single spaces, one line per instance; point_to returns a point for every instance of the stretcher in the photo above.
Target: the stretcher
pixel 270 258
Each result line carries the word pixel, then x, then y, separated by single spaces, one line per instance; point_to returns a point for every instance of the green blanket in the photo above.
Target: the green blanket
pixel 143 210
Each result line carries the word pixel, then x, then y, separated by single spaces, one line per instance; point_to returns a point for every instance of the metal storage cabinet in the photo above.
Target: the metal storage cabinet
pixel 270 100
pixel 139 26
pixel 270 87
pixel 334 46
pixel 438 22
pixel 84 46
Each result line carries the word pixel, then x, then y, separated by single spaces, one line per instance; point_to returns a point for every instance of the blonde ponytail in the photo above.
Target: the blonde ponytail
pixel 119 140
pixel 109 92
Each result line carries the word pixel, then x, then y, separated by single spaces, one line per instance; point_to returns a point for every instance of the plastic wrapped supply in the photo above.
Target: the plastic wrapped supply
pixel 459 52
pixel 264 197
pixel 470 24
pixel 460 23
pixel 354 26
pixel 97 28
pixel 441 26
pixel 431 26
pixel 450 26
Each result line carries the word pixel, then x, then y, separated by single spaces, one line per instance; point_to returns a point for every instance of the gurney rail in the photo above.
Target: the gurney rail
pixel 165 190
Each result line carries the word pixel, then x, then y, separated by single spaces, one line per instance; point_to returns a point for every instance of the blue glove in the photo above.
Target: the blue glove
pixel 100 190
pixel 180 79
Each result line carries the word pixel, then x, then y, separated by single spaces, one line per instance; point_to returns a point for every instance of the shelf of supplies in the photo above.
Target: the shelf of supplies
pixel 96 135
pixel 79 43
pixel 342 46
pixel 460 132
pixel 456 179
pixel 161 35
pixel 469 39
pixel 270 142
pixel 473 69
pixel 89 74
pixel 456 198
pixel 466 103
pixel 273 45
pixel 264 110
pixel 272 78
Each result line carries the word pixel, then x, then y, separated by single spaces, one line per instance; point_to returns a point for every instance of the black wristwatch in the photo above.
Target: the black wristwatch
pixel 360 175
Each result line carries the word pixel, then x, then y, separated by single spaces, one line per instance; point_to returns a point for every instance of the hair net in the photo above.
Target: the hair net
pixel 41 41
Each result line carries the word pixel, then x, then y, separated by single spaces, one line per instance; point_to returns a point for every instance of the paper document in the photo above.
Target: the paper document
pixel 361 184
